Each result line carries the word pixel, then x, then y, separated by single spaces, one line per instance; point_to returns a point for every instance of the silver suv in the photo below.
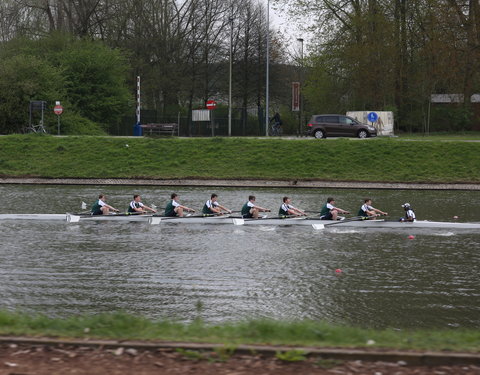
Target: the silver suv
pixel 321 126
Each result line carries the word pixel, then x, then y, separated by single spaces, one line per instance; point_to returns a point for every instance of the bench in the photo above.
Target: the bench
pixel 152 129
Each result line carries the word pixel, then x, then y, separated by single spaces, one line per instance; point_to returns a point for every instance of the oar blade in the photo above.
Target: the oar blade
pixel 238 221
pixel 73 218
pixel 154 220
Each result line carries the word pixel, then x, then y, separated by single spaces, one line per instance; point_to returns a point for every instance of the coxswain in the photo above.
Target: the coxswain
pixel 330 212
pixel 368 211
pixel 409 213
pixel 212 207
pixel 102 208
pixel 251 210
pixel 286 209
pixel 136 206
pixel 174 208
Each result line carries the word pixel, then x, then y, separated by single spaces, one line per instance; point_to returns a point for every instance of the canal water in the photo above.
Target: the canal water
pixel 225 273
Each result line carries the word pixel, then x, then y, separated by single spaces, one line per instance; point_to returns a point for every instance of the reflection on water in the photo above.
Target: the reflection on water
pixel 236 273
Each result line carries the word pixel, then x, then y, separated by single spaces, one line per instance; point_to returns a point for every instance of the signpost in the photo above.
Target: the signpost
pixel 372 117
pixel 58 110
pixel 295 96
pixel 211 104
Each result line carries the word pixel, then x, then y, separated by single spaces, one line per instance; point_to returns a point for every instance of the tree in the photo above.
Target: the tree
pixel 86 76
pixel 24 78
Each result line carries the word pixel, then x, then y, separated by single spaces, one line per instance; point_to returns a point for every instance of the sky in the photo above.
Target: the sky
pixel 280 21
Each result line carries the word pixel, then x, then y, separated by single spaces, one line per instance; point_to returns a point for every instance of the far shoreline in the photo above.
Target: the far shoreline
pixel 240 183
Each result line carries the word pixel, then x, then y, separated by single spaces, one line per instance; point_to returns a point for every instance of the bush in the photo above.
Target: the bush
pixel 24 78
pixel 75 124
pixel 87 76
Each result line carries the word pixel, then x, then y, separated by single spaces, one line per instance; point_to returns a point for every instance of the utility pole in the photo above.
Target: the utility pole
pixel 230 78
pixel 267 97
pixel 301 88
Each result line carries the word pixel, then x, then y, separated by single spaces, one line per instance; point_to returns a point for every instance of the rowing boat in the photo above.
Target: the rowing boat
pixel 359 223
pixel 47 217
pixel 152 219
pixel 226 219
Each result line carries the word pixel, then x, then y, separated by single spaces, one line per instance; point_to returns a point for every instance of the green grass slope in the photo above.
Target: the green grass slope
pixel 121 326
pixel 380 160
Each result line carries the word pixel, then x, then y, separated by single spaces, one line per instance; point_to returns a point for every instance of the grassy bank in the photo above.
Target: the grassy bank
pixel 127 327
pixel 444 136
pixel 389 160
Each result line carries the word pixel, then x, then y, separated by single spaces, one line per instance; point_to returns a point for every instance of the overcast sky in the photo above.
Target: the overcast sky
pixel 280 21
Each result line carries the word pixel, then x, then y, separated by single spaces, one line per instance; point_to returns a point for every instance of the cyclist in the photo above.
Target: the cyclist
pixel 277 123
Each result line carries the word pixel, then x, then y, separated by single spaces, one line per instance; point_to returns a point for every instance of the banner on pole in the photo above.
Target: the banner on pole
pixel 295 96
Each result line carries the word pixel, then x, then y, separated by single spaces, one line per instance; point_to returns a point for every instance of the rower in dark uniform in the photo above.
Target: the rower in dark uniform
pixel 136 206
pixel 212 207
pixel 100 207
pixel 330 212
pixel 251 210
pixel 368 211
pixel 286 209
pixel 409 213
pixel 174 208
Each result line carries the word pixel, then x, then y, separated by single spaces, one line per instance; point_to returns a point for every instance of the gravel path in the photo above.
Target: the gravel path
pixel 240 183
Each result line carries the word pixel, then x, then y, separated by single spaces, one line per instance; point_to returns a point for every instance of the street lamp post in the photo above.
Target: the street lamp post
pixel 267 98
pixel 301 88
pixel 230 80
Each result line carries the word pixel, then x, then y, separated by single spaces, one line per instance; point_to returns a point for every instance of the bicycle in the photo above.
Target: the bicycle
pixel 34 129
pixel 275 130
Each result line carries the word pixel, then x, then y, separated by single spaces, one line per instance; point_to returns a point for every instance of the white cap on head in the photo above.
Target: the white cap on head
pixel 406 205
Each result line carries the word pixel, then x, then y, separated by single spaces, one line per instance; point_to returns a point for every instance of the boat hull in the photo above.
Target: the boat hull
pixel 316 223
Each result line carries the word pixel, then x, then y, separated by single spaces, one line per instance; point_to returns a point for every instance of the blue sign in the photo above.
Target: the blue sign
pixel 372 117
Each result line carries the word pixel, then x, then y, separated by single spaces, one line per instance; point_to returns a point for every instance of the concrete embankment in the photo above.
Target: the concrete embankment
pixel 305 184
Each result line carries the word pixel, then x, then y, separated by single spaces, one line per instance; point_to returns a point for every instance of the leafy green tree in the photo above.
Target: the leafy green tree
pixel 24 78
pixel 88 77
pixel 96 81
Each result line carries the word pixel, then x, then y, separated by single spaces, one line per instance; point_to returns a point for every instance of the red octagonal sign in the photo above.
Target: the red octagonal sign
pixel 58 109
pixel 211 104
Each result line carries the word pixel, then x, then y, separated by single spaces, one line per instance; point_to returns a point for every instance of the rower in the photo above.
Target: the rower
pixel 212 207
pixel 286 209
pixel 174 208
pixel 100 207
pixel 330 212
pixel 409 213
pixel 368 211
pixel 251 210
pixel 136 206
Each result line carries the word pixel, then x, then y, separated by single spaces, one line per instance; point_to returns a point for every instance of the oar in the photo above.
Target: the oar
pixel 355 218
pixel 72 218
pixel 154 220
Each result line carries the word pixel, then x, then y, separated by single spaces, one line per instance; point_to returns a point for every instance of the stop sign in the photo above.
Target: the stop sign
pixel 211 104
pixel 58 109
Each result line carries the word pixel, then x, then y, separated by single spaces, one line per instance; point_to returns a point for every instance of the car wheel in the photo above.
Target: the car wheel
pixel 362 134
pixel 319 134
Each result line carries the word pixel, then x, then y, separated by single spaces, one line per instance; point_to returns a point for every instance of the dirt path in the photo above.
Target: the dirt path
pixel 65 359
pixel 239 183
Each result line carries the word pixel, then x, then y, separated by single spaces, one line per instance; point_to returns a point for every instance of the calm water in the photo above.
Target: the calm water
pixel 242 272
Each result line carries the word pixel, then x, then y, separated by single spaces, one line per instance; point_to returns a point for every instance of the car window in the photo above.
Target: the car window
pixel 333 119
pixel 347 121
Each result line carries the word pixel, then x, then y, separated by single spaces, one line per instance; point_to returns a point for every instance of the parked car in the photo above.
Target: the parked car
pixel 321 126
